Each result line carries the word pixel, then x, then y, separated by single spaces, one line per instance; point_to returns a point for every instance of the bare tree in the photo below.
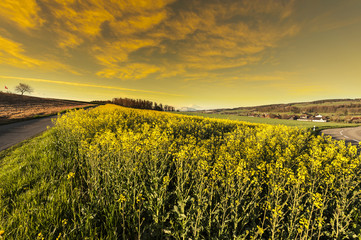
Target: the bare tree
pixel 23 88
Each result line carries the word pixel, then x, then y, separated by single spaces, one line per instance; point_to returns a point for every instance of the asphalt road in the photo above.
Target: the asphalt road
pixel 11 134
pixel 352 135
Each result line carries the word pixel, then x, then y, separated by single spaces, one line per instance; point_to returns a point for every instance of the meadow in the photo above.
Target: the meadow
pixel 337 110
pixel 292 123
pixel 119 173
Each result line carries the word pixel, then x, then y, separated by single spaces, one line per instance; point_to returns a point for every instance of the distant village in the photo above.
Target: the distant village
pixel 306 117
pixel 303 117
pixel 329 110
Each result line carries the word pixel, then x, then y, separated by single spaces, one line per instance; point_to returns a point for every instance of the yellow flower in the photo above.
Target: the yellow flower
pixel 166 180
pixel 304 223
pixel 260 230
pixel 317 200
pixel 71 175
pixel 140 198
pixel 121 198
pixel 58 236
pixel 40 236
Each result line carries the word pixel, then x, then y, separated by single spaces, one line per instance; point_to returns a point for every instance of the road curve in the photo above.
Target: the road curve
pixel 11 134
pixel 352 135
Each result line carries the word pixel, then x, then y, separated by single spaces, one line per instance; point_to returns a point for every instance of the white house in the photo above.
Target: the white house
pixel 319 118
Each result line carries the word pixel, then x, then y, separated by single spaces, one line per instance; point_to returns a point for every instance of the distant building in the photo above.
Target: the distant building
pixel 309 118
pixel 305 118
pixel 319 118
pixel 294 117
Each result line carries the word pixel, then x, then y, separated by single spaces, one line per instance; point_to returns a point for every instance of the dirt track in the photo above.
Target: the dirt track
pixel 11 134
pixel 352 135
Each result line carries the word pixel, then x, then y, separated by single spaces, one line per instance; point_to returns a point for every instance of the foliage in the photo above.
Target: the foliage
pixel 23 88
pixel 119 173
pixel 137 103
pixel 141 104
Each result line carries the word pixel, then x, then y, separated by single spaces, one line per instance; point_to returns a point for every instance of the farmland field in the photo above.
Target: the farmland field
pixel 119 173
pixel 291 123
pixel 337 110
pixel 14 107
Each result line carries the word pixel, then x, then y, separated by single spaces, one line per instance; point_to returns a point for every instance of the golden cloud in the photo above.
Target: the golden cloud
pixel 117 52
pixel 219 43
pixel 181 38
pixel 130 71
pixel 76 22
pixel 13 53
pixel 23 13
pixel 208 37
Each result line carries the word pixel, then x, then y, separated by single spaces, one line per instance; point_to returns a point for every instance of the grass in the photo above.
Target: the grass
pixel 27 174
pixel 290 123
pixel 336 109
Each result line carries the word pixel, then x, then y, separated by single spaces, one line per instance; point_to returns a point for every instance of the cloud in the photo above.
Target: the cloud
pixel 25 14
pixel 325 22
pixel 227 33
pixel 135 39
pixel 89 85
pixel 122 48
pixel 77 22
pixel 14 54
pixel 201 37
pixel 325 17
pixel 129 71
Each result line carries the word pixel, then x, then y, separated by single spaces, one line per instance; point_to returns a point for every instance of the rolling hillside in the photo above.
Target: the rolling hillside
pixel 14 107
pixel 338 110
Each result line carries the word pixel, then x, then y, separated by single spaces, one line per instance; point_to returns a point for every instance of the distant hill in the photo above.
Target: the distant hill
pixel 338 110
pixel 14 99
pixel 187 109
pixel 14 107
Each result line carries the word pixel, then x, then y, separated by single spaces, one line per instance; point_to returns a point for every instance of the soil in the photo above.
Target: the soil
pixel 14 107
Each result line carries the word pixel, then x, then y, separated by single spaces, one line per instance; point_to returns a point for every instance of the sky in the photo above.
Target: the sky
pixel 204 53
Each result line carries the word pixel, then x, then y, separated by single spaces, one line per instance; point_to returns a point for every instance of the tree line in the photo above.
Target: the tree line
pixel 341 108
pixel 138 103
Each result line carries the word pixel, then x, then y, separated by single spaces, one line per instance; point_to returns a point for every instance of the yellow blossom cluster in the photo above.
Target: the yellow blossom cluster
pixel 172 176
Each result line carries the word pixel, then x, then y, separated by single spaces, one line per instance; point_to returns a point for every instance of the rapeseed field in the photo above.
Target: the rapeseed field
pixel 120 173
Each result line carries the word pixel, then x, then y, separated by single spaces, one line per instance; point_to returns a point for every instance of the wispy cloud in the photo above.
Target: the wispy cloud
pixel 24 14
pixel 133 39
pixel 12 53
pixel 89 85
